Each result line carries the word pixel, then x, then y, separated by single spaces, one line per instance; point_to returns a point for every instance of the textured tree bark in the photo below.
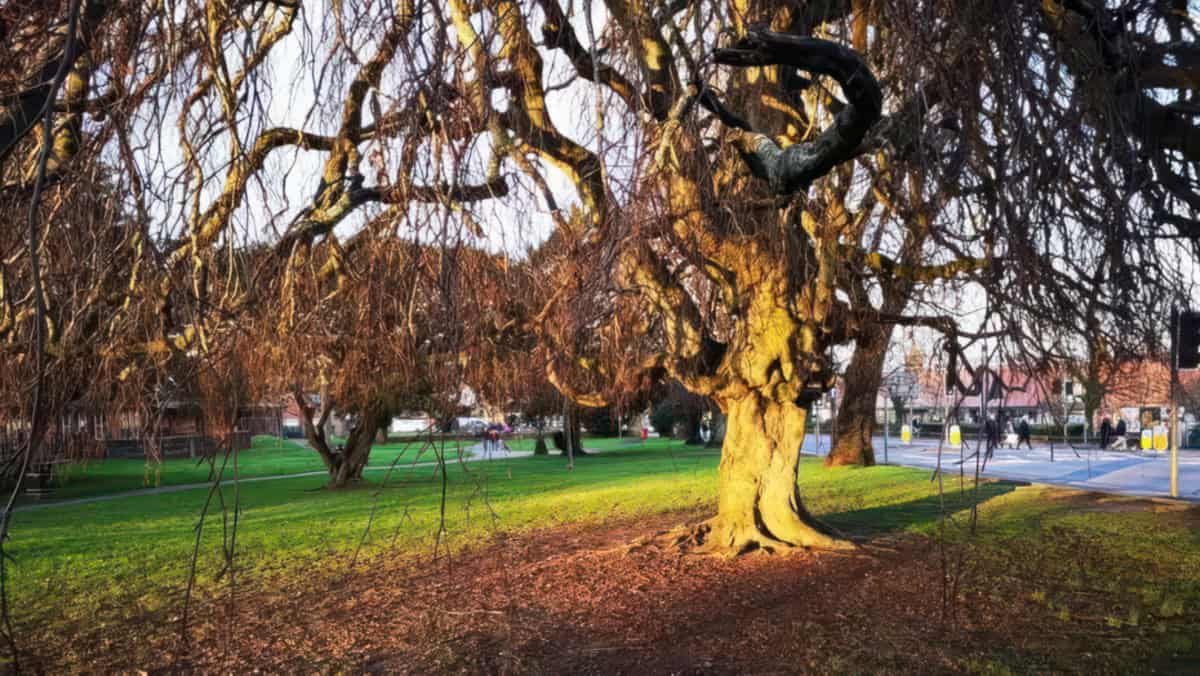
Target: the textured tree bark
pixel 348 468
pixel 856 418
pixel 572 436
pixel 758 500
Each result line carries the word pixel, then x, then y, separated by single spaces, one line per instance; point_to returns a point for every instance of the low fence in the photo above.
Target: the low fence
pixel 55 448
pixel 181 446
pixel 1189 439
pixel 270 426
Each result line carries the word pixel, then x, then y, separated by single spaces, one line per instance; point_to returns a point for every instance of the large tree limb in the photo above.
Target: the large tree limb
pixel 19 113
pixel 315 434
pixel 529 117
pixel 654 55
pixel 792 169
pixel 558 34
pixel 885 265
pixel 318 222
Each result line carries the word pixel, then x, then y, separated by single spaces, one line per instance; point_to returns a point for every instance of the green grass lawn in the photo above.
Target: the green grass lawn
pixel 267 456
pixel 600 443
pixel 132 552
pixel 103 561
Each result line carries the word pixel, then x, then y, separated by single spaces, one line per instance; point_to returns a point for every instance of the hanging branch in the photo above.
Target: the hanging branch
pixel 35 423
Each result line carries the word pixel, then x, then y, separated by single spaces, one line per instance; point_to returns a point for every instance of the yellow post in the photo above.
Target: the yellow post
pixel 1174 432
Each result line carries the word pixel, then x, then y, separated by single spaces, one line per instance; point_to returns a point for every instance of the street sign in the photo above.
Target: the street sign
pixel 903 385
pixel 1189 340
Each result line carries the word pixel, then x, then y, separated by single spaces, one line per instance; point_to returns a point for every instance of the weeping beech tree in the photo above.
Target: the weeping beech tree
pixel 723 217
pixel 408 330
pixel 685 249
pixel 741 284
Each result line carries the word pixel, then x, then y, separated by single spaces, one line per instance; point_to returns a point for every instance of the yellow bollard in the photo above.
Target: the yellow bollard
pixel 1160 438
pixel 906 434
pixel 955 435
pixel 1147 439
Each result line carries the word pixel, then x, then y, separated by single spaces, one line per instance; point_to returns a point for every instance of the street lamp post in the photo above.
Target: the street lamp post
pixel 1174 428
pixel 887 402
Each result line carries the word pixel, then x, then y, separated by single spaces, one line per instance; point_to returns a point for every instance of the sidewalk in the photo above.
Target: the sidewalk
pixel 1138 473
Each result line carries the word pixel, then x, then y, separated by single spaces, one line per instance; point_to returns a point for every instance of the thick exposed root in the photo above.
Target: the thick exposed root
pixel 799 533
pixel 716 537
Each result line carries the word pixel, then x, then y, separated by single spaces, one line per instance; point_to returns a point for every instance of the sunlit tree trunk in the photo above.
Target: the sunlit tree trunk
pixel 758 498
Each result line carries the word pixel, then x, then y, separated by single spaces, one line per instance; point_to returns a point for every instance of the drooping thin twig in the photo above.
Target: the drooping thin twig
pixel 35 431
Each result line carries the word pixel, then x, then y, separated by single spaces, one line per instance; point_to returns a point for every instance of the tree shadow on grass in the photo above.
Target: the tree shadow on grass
pixel 915 514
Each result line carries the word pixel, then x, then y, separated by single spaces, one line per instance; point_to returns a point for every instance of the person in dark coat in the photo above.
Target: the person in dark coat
pixel 1119 434
pixel 1105 432
pixel 1023 434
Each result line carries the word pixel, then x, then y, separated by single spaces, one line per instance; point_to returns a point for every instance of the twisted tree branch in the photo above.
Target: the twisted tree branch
pixel 794 168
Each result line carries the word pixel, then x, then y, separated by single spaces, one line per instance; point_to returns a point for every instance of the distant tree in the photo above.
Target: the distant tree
pixel 676 409
pixel 387 339
pixel 538 401
pixel 599 422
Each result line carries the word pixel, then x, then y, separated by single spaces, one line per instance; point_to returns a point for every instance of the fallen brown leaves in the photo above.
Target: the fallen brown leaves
pixel 573 599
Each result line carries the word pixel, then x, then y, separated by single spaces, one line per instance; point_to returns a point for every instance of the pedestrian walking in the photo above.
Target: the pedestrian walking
pixel 1118 442
pixel 1105 432
pixel 1023 434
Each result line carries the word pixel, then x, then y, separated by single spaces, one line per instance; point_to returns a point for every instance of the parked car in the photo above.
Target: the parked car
pixel 469 425
pixel 1192 440
pixel 408 425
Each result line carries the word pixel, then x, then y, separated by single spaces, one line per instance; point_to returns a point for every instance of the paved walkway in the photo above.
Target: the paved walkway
pixel 476 454
pixel 1138 473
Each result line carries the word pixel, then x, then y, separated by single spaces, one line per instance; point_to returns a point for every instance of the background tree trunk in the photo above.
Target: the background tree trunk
pixel 572 435
pixel 357 452
pixel 856 418
pixel 718 430
pixel 758 500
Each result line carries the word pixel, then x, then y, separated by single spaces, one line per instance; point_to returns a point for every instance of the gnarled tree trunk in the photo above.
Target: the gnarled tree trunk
pixel 855 422
pixel 758 499
pixel 349 466
pixel 346 465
